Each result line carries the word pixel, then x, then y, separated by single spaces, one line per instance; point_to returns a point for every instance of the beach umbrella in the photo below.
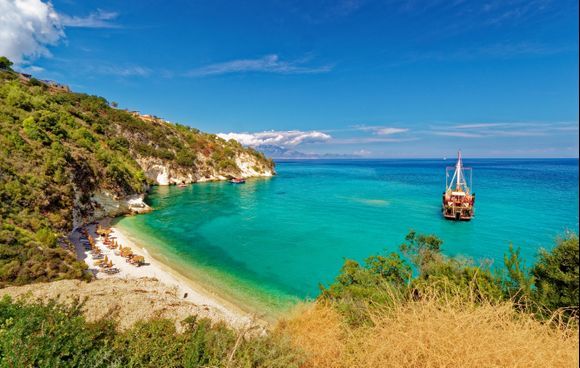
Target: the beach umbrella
pixel 138 260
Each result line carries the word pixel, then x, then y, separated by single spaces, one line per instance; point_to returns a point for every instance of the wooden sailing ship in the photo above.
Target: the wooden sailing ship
pixel 458 199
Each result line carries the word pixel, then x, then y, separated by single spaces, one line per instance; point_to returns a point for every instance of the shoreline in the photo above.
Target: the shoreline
pixel 218 309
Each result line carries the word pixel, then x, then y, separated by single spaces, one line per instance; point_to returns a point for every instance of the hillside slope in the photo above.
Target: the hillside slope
pixel 67 158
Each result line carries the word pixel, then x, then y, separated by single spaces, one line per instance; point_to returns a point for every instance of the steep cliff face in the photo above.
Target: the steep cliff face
pixel 104 203
pixel 163 172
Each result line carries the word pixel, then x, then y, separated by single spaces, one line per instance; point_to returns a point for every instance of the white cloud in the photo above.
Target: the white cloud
pixel 478 125
pixel 27 27
pixel 459 134
pixel 381 130
pixel 266 64
pixel 362 152
pixel 389 131
pixel 98 19
pixel 506 129
pixel 365 140
pixel 123 71
pixel 277 138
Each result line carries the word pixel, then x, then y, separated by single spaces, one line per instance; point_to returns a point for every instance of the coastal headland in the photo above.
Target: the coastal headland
pixel 71 159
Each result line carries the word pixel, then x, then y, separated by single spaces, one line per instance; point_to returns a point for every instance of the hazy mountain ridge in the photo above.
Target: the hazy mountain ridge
pixel 279 152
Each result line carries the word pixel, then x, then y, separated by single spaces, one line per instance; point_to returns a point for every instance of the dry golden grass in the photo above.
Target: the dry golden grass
pixel 432 332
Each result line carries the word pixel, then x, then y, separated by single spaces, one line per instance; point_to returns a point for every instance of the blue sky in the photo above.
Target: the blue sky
pixel 367 78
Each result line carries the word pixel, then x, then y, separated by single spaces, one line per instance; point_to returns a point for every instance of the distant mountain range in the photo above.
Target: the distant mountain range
pixel 278 152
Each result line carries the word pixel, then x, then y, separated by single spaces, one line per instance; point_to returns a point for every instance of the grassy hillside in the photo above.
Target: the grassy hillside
pixel 57 148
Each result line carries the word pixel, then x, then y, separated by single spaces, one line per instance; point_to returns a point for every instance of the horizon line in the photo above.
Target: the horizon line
pixel 419 158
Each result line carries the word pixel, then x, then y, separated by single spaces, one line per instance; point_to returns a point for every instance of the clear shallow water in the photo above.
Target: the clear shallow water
pixel 272 241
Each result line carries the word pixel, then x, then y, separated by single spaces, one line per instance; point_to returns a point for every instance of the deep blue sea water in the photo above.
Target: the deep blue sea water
pixel 271 241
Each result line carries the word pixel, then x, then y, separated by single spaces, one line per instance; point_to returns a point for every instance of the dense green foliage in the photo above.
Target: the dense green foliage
pixel 551 285
pixel 556 275
pixel 57 147
pixel 54 335
pixel 5 63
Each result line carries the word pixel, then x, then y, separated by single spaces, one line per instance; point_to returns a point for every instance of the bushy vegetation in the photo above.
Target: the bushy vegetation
pixel 56 335
pixel 416 309
pixel 551 286
pixel 556 276
pixel 56 146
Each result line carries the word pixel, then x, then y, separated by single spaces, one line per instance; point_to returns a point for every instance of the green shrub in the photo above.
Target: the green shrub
pixel 378 282
pixel 18 99
pixel 46 237
pixel 517 281
pixel 185 158
pixel 119 144
pixel 557 277
pixel 51 335
pixel 33 130
pixel 5 63
pixel 55 335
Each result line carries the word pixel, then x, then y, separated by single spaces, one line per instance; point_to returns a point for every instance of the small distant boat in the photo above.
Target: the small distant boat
pixel 238 181
pixel 182 185
pixel 458 199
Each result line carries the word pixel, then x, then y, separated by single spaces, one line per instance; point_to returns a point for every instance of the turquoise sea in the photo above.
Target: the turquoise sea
pixel 269 242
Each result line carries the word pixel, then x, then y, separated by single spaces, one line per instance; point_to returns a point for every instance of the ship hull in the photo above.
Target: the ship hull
pixel 457 211
pixel 457 217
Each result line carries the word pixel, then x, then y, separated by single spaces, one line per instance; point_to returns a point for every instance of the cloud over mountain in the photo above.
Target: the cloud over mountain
pixel 277 138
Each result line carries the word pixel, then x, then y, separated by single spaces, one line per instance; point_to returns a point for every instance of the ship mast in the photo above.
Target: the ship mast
pixel 458 176
pixel 458 171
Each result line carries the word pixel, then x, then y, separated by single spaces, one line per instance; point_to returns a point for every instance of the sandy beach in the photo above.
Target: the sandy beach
pixel 211 306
